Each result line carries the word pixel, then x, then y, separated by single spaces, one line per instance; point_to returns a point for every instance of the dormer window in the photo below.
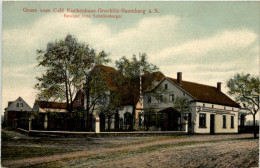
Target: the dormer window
pixel 166 86
pixel 212 106
pixel 224 107
pixel 203 105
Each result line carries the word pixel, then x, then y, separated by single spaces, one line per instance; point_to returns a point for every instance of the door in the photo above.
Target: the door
pixel 212 123
pixel 189 123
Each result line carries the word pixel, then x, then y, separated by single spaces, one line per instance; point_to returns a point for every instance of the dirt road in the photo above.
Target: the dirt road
pixel 185 151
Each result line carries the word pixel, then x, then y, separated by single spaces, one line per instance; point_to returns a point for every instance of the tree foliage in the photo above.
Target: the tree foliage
pixel 130 71
pixel 65 64
pixel 245 89
pixel 182 104
pixel 111 106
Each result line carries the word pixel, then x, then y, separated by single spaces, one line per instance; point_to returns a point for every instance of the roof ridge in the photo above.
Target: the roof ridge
pixel 49 101
pixel 192 82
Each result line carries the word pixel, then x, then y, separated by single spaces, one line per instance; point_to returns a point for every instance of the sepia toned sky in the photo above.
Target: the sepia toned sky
pixel 207 41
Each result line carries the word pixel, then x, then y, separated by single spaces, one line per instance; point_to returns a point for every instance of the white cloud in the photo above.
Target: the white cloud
pixel 225 40
pixel 207 60
pixel 20 71
pixel 149 35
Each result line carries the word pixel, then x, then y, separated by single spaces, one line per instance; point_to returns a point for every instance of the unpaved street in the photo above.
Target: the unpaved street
pixel 238 150
pixel 224 154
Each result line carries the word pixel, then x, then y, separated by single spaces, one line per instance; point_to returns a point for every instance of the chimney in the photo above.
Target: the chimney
pixel 10 102
pixel 179 77
pixel 219 86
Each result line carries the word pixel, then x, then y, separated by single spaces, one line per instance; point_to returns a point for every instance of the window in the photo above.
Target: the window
pixel 21 104
pixel 171 97
pixel 224 122
pixel 232 122
pixel 202 120
pixel 166 86
pixel 127 118
pixel 224 107
pixel 203 105
pixel 160 98
pixel 17 104
pixel 78 102
pixel 185 116
pixel 149 99
pixel 184 93
pixel 212 106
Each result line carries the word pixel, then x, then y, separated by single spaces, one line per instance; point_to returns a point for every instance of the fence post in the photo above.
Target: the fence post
pixel 45 124
pixel 30 122
pixel 96 121
pixel 186 126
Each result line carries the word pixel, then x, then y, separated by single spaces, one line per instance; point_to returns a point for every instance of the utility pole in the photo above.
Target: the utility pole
pixel 141 98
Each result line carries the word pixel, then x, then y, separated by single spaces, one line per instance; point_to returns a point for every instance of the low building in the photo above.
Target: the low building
pixel 15 111
pixel 46 110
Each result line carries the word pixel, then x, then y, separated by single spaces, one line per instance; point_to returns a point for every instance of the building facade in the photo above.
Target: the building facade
pixel 211 111
pixel 15 110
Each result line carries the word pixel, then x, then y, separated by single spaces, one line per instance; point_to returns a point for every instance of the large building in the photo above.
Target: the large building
pixel 211 111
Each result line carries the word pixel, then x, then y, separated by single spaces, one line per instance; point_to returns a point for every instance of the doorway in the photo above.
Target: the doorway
pixel 212 123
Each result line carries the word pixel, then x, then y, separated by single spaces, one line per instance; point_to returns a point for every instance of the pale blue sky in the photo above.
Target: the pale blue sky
pixel 207 41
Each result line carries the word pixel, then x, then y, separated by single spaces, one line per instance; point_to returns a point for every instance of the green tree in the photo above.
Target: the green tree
pixel 182 105
pixel 111 108
pixel 130 71
pixel 245 89
pixel 98 95
pixel 66 64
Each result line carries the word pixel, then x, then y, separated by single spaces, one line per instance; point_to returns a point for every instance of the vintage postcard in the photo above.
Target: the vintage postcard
pixel 130 84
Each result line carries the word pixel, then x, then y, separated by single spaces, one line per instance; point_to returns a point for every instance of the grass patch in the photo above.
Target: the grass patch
pixel 21 152
pixel 148 139
pixel 83 161
pixel 5 136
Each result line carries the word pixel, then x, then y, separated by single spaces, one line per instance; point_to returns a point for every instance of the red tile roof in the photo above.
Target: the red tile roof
pixel 108 74
pixel 205 93
pixel 149 78
pixel 54 105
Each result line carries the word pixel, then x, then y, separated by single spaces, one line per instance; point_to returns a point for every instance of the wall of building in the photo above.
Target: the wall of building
pixel 219 123
pixel 127 108
pixel 172 88
pixel 218 111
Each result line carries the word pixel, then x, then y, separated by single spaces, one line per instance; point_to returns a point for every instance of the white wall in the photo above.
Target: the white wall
pixel 124 110
pixel 171 88
pixel 218 111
